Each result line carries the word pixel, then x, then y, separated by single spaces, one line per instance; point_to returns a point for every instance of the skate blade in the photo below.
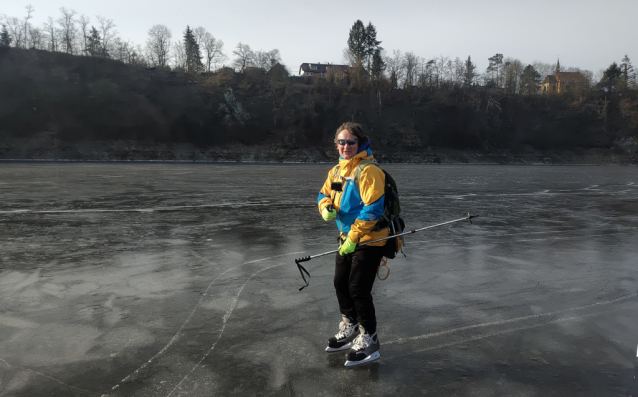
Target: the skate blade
pixel 338 349
pixel 374 356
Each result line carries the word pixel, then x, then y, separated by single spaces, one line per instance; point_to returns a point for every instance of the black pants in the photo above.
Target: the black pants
pixel 354 277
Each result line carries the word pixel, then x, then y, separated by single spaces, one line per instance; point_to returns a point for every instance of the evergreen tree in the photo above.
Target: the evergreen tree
pixel 357 41
pixel 469 72
pixel 371 45
pixel 495 67
pixel 363 48
pixel 628 73
pixel 94 42
pixel 5 39
pixel 193 56
pixel 530 81
pixel 378 65
pixel 612 77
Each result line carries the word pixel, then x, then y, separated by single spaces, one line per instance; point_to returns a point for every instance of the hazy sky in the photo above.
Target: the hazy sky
pixel 586 34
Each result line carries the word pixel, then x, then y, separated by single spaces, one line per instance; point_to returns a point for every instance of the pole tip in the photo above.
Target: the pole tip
pixel 469 217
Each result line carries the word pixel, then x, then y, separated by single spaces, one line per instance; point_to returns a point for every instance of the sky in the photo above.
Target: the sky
pixel 583 33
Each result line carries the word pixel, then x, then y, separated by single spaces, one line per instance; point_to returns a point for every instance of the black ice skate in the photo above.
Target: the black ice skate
pixel 348 331
pixel 365 349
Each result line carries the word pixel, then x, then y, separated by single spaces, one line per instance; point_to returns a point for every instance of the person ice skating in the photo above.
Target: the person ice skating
pixel 353 196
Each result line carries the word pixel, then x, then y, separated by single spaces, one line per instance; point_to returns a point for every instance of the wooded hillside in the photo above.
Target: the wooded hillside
pixel 82 102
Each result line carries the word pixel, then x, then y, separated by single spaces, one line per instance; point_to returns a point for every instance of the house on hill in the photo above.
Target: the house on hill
pixel 560 82
pixel 321 69
pixel 254 71
pixel 278 72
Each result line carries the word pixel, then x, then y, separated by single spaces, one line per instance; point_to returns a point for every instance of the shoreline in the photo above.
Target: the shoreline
pixel 241 162
pixel 46 148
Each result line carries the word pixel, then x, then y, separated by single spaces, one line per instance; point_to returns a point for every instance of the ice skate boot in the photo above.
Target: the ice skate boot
pixel 348 330
pixel 365 349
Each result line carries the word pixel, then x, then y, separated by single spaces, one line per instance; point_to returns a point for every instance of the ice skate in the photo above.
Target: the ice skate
pixel 348 331
pixel 365 349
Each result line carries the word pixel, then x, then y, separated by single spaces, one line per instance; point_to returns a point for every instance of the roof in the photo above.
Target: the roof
pixel 278 69
pixel 570 77
pixel 320 67
pixel 565 77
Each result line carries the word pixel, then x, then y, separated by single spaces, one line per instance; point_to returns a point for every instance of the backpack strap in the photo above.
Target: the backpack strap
pixel 336 171
pixel 359 170
pixel 336 174
pixel 357 175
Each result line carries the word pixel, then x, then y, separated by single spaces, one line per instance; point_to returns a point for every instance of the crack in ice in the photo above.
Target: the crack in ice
pixel 227 315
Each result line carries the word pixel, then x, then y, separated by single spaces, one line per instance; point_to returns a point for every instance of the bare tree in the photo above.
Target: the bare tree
pixel 68 29
pixel 180 60
pixel 411 67
pixel 589 75
pixel 108 32
pixel 36 38
pixel 137 56
pixel 544 69
pixel 449 73
pixel 267 59
pixel 51 34
pixel 158 45
pixel 348 57
pixel 213 50
pixel 512 70
pixel 394 68
pixel 597 77
pixel 244 57
pixel 440 70
pixel 122 50
pixel 29 9
pixel 15 30
pixel 199 33
pixel 84 23
pixel 457 72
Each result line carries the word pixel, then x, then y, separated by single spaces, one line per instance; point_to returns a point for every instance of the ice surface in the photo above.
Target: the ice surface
pixel 179 280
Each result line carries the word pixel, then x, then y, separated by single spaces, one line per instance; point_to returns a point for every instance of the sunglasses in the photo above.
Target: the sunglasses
pixel 350 142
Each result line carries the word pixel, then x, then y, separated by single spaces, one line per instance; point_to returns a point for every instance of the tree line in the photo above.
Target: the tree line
pixel 370 62
pixel 199 51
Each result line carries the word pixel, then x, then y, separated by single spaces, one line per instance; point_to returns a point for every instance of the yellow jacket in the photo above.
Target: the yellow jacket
pixel 358 207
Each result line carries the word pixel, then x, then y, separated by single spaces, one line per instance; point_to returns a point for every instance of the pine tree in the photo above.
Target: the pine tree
pixel 378 65
pixel 469 72
pixel 357 41
pixel 495 67
pixel 5 39
pixel 612 77
pixel 628 73
pixel 193 56
pixel 530 81
pixel 371 45
pixel 94 42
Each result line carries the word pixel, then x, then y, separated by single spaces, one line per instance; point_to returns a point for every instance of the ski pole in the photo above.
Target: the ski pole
pixel 303 270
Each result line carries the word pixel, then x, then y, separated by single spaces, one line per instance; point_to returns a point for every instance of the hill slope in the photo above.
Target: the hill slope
pixel 58 106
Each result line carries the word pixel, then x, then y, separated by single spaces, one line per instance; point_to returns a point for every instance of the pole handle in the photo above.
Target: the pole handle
pixel 303 270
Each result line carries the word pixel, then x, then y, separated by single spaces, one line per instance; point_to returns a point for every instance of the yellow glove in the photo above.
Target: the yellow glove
pixel 347 247
pixel 328 215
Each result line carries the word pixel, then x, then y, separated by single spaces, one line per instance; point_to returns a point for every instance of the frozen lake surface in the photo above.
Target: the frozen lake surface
pixel 179 280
